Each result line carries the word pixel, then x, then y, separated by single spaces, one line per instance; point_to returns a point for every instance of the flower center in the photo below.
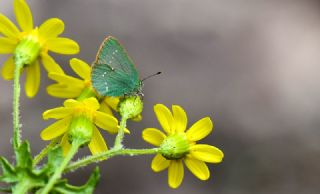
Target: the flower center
pixel 87 83
pixel 175 146
pixel 85 112
pixel 28 48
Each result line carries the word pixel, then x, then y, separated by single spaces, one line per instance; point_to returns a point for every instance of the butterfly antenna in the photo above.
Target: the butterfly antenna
pixel 158 73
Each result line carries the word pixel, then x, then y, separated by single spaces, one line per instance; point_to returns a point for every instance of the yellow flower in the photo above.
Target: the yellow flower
pixel 87 113
pixel 31 44
pixel 72 87
pixel 180 145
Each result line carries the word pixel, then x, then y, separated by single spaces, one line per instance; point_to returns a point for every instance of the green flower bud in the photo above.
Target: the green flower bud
pixel 175 146
pixel 81 129
pixel 27 50
pixel 130 107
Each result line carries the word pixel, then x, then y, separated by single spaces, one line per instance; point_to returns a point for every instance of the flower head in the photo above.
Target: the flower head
pixel 31 44
pixel 78 119
pixel 178 145
pixel 73 87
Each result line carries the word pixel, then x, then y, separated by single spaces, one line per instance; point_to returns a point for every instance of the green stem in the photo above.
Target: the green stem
pixel 108 154
pixel 22 187
pixel 16 102
pixel 58 172
pixel 44 152
pixel 86 93
pixel 118 141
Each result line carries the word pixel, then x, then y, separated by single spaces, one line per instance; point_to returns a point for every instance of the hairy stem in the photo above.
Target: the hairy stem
pixel 44 152
pixel 58 172
pixel 118 141
pixel 109 154
pixel 16 104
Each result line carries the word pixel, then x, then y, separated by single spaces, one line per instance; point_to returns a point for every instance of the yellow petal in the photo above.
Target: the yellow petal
pixel 50 65
pixel 97 143
pixel 51 28
pixel 56 129
pixel 7 70
pixel 33 79
pixel 164 116
pixel 57 113
pixel 65 144
pixel 71 103
pixel 159 163
pixel 23 15
pixel 153 136
pixel 175 173
pixel 112 102
pixel 67 80
pixel 180 119
pixel 81 68
pixel 125 130
pixel 198 168
pixel 105 108
pixel 200 129
pixel 7 45
pixel 137 118
pixel 7 28
pixel 92 102
pixel 106 122
pixel 62 91
pixel 63 46
pixel 206 153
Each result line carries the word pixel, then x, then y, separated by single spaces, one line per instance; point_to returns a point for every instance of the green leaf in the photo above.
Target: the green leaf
pixel 55 158
pixel 8 171
pixel 24 177
pixel 88 188
pixel 23 156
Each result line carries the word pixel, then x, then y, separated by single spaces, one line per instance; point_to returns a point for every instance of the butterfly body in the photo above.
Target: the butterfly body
pixel 113 72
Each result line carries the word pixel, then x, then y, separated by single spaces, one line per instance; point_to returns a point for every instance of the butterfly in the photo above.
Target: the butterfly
pixel 113 72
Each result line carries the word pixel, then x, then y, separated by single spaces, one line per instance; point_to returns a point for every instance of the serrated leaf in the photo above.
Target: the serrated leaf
pixel 88 188
pixel 55 158
pixel 36 178
pixel 23 156
pixel 8 172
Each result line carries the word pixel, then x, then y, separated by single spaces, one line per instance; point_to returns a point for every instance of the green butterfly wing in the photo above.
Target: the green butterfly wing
pixel 113 73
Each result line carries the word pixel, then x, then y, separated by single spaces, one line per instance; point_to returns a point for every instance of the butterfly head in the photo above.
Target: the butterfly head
pixel 140 88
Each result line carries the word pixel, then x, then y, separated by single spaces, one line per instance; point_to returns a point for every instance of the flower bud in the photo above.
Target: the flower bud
pixel 130 107
pixel 175 146
pixel 28 49
pixel 81 129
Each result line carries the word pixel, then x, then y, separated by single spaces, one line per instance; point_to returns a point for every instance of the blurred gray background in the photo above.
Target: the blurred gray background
pixel 251 65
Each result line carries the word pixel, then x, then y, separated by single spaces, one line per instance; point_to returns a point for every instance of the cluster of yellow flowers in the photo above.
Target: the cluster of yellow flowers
pixel 40 39
pixel 84 108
